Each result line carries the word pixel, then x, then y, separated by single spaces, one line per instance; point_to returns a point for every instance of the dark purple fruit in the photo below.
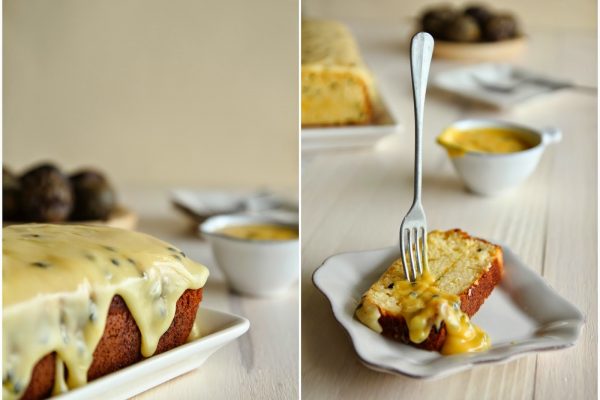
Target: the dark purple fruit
pixel 500 27
pixel 11 191
pixel 94 197
pixel 435 20
pixel 46 194
pixel 463 29
pixel 479 13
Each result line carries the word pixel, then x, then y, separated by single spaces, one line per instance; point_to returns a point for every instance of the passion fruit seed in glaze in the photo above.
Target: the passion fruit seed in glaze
pixel 46 194
pixel 40 264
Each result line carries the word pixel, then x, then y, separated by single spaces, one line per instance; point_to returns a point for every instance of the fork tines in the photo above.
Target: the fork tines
pixel 414 241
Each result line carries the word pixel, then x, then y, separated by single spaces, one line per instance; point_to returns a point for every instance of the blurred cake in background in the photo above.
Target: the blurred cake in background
pixel 337 88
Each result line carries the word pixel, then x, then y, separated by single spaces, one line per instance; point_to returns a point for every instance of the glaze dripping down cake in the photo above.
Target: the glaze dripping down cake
pixel 80 302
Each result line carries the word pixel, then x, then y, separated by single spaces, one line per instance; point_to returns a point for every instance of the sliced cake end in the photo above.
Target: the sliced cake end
pixel 433 314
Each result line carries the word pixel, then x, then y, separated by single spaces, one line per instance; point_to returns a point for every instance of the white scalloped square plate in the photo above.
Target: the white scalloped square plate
pixel 522 315
pixel 216 328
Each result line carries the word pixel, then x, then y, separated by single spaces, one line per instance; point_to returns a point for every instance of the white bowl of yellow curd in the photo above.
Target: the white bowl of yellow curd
pixel 491 156
pixel 259 255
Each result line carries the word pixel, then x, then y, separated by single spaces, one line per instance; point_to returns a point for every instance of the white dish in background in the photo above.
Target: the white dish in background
pixel 470 82
pixel 490 174
pixel 349 136
pixel 202 204
pixel 522 315
pixel 217 328
pixel 254 267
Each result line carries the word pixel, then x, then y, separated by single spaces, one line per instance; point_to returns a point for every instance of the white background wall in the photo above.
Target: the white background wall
pixel 179 92
pixel 158 92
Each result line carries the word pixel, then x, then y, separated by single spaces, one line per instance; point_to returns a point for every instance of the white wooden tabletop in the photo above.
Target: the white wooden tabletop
pixel 355 200
pixel 261 364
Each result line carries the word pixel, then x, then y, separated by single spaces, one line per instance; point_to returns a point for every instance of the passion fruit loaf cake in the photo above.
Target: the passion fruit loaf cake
pixel 80 302
pixel 337 88
pixel 434 312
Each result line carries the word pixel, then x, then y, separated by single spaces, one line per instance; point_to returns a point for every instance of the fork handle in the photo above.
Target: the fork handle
pixel 421 50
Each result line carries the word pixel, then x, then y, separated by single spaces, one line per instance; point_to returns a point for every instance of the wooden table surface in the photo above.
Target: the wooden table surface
pixel 261 364
pixel 355 200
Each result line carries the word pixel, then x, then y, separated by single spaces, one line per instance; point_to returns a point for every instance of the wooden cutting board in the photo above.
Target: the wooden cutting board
pixel 121 217
pixel 488 51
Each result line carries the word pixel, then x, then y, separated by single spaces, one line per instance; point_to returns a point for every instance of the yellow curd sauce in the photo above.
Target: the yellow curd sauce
pixel 423 305
pixel 483 140
pixel 260 232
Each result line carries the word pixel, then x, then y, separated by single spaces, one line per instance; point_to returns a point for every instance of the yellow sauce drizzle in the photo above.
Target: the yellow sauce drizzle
pixel 58 282
pixel 483 140
pixel 60 383
pixel 423 305
pixel 260 232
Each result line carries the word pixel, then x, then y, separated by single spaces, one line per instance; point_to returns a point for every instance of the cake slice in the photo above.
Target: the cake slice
pixel 433 313
pixel 337 88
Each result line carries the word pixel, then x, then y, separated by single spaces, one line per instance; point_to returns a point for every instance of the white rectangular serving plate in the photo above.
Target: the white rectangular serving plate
pixel 350 136
pixel 216 328
pixel 522 315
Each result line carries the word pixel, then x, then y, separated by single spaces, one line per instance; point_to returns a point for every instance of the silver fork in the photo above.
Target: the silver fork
pixel 517 78
pixel 413 230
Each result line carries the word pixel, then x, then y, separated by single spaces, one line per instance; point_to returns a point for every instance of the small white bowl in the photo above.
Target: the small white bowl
pixel 253 267
pixel 490 174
